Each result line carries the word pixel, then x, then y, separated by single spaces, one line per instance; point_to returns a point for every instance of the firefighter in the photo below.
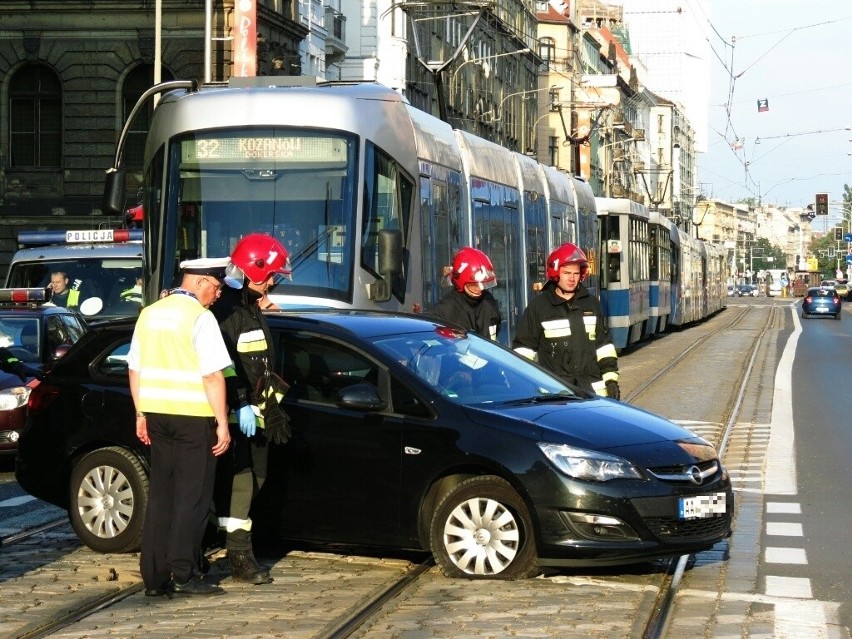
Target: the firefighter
pixel 564 328
pixel 470 304
pixel 255 418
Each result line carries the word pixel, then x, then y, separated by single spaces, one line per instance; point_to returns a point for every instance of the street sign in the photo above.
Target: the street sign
pixel 848 237
pixel 849 259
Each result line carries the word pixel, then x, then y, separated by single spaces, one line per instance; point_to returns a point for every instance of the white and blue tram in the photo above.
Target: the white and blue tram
pixel 624 276
pixel 659 273
pixel 371 196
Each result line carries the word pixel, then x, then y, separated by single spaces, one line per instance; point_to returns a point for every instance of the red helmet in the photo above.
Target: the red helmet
pixel 258 256
pixel 472 266
pixel 566 254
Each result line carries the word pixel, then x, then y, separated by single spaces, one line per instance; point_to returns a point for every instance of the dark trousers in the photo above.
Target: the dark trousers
pixel 240 474
pixel 180 491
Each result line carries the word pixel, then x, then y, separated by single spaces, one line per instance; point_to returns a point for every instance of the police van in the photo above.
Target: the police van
pixel 97 270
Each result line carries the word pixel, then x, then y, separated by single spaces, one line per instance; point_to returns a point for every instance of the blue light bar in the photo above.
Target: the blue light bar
pixel 82 236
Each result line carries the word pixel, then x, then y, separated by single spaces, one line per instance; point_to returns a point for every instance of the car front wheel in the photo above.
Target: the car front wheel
pixel 109 494
pixel 482 529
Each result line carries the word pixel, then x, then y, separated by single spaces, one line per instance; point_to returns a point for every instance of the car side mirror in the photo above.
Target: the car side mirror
pixel 363 396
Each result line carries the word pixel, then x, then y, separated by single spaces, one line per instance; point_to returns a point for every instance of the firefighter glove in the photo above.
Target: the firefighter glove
pixel 248 420
pixel 612 390
pixel 277 426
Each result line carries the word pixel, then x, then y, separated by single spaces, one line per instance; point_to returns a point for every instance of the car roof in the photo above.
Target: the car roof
pixel 366 324
pixel 78 251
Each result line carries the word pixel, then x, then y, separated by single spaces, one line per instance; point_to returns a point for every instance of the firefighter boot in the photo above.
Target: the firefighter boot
pixel 244 567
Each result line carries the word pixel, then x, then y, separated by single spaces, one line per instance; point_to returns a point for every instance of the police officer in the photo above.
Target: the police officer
pixel 564 328
pixel 240 474
pixel 62 294
pixel 470 304
pixel 175 363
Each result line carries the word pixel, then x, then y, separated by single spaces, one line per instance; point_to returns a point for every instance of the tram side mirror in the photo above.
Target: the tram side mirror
pixel 390 263
pixel 114 195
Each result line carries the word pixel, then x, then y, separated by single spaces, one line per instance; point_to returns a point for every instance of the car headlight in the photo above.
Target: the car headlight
pixel 15 397
pixel 590 465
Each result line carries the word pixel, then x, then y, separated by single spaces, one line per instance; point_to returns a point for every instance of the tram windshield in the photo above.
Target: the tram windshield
pixel 296 185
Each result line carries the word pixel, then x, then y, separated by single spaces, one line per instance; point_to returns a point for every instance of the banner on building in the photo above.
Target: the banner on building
pixel 245 38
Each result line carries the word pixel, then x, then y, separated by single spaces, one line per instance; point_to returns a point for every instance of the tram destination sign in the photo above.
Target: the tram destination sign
pixel 269 148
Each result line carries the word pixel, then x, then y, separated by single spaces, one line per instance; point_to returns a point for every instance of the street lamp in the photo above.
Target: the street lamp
pixel 484 59
pixel 552 89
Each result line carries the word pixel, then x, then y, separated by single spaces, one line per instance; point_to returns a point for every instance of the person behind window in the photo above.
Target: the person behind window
pixel 470 304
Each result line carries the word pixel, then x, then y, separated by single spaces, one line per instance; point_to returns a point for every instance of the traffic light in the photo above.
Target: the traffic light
pixel 822 203
pixel 838 233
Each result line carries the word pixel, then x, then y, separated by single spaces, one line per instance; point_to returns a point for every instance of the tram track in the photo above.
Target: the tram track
pixel 661 611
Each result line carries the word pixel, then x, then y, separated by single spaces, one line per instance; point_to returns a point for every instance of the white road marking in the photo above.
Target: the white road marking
pixel 783 507
pixel 780 464
pixel 788 529
pixel 795 587
pixel 774 555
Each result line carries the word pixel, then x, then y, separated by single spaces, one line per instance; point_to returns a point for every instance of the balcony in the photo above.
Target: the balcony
pixel 335 40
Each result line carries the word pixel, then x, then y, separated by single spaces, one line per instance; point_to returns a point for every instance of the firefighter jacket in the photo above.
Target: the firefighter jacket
pixel 480 315
pixel 569 338
pixel 170 380
pixel 249 343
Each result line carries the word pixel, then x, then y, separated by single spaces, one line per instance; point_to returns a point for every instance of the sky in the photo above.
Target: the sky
pixel 797 56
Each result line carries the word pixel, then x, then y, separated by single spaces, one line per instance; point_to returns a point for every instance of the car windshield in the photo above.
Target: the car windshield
pixel 21 337
pixel 470 370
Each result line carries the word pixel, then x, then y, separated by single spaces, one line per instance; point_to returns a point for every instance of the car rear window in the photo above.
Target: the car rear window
pixel 821 292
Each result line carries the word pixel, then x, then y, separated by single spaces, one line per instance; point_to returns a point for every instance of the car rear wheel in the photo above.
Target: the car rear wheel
pixel 482 529
pixel 109 495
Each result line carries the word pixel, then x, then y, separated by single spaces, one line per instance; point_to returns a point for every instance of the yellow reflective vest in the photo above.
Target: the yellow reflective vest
pixel 170 380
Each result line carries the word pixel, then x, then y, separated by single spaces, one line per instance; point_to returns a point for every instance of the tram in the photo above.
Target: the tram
pixel 625 260
pixel 659 274
pixel 371 196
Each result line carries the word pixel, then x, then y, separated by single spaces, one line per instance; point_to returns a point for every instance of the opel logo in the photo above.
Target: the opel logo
pixel 695 477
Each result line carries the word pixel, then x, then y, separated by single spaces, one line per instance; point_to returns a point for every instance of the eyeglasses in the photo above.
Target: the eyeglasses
pixel 217 286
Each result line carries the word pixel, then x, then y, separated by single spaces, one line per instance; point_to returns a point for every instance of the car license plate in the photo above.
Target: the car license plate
pixel 822 309
pixel 702 506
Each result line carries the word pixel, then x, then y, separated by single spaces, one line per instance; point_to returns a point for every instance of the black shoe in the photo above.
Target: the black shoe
pixel 156 592
pixel 244 567
pixel 195 586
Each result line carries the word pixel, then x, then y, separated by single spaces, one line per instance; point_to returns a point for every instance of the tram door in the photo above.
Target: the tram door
pixel 441 233
pixel 495 227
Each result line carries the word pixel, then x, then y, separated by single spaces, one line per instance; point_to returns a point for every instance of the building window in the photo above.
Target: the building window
pixel 136 83
pixel 35 118
pixel 547 51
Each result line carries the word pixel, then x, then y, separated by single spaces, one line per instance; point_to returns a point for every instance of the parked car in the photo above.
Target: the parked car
pixel 409 435
pixel 35 334
pixel 821 300
pixel 841 287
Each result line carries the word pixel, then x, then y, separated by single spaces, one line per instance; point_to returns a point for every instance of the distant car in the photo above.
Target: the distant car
pixel 35 334
pixel 747 290
pixel 407 434
pixel 842 289
pixel 821 300
pixel 732 291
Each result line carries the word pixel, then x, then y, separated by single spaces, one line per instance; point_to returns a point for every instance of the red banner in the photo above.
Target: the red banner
pixel 245 38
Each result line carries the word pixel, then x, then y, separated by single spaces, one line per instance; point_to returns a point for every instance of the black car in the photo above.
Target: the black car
pixel 35 334
pixel 410 435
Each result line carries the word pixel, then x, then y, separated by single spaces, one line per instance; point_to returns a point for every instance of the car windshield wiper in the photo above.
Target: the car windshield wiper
pixel 561 396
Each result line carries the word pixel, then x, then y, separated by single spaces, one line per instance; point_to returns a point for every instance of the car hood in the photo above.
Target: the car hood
pixel 598 424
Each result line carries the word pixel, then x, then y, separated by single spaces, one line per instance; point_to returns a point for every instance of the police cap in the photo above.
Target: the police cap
pixel 207 266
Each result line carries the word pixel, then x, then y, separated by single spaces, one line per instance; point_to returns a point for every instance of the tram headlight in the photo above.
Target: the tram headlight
pixel 590 465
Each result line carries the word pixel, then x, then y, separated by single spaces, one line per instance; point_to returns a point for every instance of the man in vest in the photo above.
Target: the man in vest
pixel 62 294
pixel 176 362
